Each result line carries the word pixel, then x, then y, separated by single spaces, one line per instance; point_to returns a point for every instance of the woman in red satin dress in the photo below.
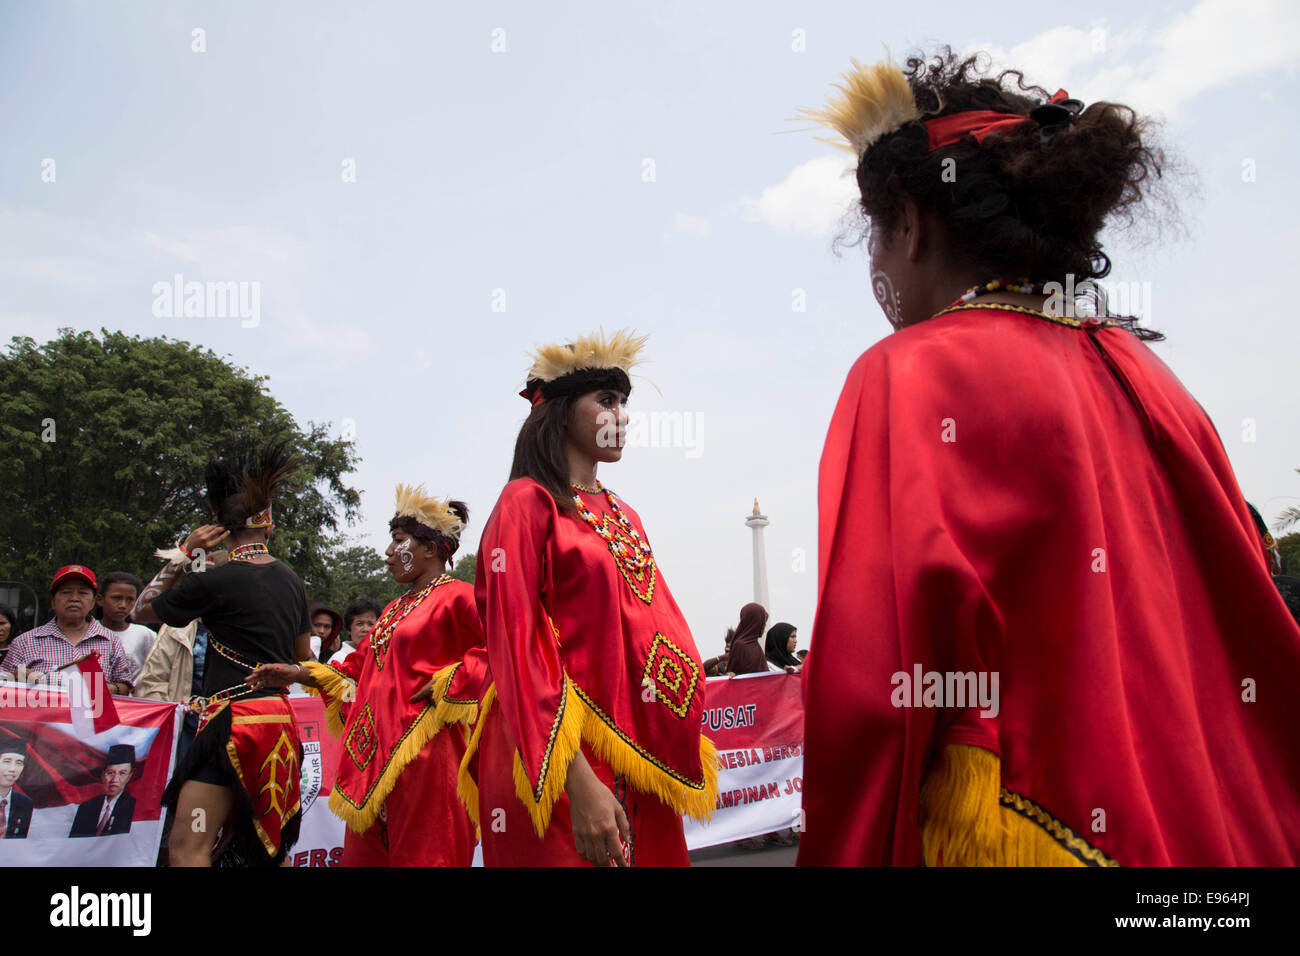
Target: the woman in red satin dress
pixel 396 700
pixel 588 749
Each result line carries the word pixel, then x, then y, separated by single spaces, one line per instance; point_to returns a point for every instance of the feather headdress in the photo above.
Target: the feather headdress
pixel 413 502
pixel 253 475
pixel 595 351
pixel 588 362
pixel 873 102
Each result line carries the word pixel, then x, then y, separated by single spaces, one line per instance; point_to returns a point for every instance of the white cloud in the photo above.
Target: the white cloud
pixel 811 201
pixel 1052 55
pixel 1215 43
pixel 1211 45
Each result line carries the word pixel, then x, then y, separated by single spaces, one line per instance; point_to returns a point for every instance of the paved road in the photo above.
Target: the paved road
pixel 729 854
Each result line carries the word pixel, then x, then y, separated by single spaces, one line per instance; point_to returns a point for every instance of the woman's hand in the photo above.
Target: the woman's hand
pixel 424 693
pixel 596 816
pixel 207 537
pixel 277 675
pixel 791 669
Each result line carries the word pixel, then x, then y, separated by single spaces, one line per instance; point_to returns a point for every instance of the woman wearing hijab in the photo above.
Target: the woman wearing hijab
pixel 746 657
pixel 780 648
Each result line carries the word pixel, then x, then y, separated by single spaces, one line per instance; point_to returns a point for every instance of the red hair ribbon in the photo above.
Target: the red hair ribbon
pixel 946 130
pixel 535 398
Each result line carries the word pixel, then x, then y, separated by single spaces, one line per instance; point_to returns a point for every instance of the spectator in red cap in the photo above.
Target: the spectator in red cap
pixel 70 636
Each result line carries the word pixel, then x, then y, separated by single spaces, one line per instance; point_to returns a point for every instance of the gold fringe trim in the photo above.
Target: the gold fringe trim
pixel 578 722
pixel 451 711
pixel 436 715
pixel 1023 815
pixel 466 785
pixel 334 689
pixel 968 819
pixel 647 776
pixel 566 739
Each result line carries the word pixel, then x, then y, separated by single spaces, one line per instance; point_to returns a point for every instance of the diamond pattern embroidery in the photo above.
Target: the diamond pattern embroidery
pixel 361 742
pixel 673 675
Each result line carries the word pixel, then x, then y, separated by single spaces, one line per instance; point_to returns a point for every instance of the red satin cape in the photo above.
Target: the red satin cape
pixel 1006 494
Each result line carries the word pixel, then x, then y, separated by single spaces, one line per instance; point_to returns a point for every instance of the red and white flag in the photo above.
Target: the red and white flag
pixel 88 698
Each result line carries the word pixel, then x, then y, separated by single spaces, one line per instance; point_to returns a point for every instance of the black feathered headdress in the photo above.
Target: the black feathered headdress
pixel 240 486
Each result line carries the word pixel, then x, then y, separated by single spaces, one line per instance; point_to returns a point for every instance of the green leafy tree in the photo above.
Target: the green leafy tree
pixel 106 438
pixel 464 569
pixel 1289 548
pixel 356 572
pixel 1288 518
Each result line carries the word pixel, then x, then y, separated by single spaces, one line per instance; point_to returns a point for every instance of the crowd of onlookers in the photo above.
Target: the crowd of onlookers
pixel 91 614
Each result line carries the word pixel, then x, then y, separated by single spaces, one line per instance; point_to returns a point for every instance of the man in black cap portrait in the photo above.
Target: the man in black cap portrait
pixel 110 813
pixel 15 808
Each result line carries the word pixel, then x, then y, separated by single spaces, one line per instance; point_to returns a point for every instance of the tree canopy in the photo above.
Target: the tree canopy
pixel 1289 548
pixel 106 438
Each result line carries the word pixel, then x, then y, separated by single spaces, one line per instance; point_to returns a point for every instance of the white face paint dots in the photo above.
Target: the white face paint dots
pixel 890 301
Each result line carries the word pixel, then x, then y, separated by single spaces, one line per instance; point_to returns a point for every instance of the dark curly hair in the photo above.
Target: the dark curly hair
pixel 1019 205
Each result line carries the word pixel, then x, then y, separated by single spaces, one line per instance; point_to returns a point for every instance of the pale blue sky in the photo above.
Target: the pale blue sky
pixel 523 170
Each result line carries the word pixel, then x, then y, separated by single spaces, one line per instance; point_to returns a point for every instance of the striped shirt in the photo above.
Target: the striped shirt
pixel 45 649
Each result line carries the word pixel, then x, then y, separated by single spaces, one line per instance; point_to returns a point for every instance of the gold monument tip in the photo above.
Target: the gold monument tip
pixel 756 511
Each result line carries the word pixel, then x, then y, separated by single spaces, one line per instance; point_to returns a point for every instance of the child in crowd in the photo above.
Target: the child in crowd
pixel 116 597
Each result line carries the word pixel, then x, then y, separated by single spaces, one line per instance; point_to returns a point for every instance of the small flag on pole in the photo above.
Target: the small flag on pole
pixel 90 702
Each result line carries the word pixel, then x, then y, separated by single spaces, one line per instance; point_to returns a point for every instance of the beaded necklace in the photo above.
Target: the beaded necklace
pixel 965 302
pixel 631 553
pixel 1019 286
pixel 232 655
pixel 636 555
pixel 396 612
pixel 246 551
pixel 1091 322
pixel 198 705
